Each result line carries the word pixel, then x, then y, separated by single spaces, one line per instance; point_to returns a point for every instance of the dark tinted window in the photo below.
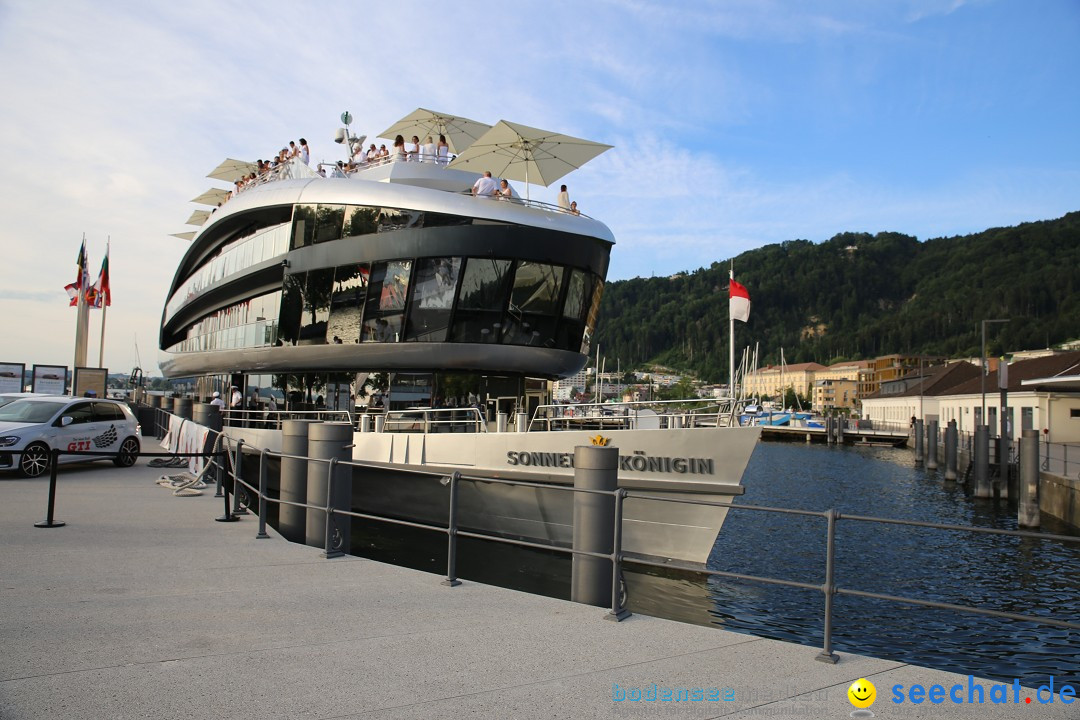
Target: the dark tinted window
pixel 534 304
pixel 360 220
pixel 482 300
pixel 575 308
pixel 313 320
pixel 80 413
pixel 393 219
pixel 328 222
pixel 108 411
pixel 347 304
pixel 433 297
pixel 292 307
pixel 385 304
pixel 303 229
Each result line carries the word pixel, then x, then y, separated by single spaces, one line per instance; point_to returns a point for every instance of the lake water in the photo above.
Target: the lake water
pixel 1018 575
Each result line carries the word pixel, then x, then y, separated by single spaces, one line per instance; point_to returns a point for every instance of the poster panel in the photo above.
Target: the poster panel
pixel 90 379
pixel 50 379
pixel 11 377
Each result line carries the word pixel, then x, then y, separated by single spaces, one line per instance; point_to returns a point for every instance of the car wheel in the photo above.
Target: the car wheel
pixel 35 460
pixel 129 453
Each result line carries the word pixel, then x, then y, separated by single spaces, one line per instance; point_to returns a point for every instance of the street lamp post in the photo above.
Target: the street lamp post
pixel 984 368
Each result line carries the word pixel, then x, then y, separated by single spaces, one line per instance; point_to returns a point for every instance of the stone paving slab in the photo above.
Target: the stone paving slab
pixel 144 607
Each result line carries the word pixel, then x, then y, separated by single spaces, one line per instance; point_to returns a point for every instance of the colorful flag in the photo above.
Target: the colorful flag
pixel 738 301
pixel 100 294
pixel 81 280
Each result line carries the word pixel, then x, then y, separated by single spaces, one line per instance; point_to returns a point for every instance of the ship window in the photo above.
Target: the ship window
pixel 572 325
pixel 360 220
pixel 347 304
pixel 534 303
pixel 386 301
pixel 292 307
pixel 313 321
pixel 433 297
pixel 434 219
pixel 481 300
pixel 592 313
pixel 329 220
pixel 391 219
pixel 303 225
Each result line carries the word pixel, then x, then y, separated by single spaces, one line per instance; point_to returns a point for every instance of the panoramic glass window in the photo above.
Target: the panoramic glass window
pixel 481 300
pixel 534 305
pixel 313 320
pixel 303 225
pixel 385 306
pixel 392 219
pixel 572 325
pixel 347 304
pixel 432 299
pixel 360 220
pixel 292 306
pixel 329 220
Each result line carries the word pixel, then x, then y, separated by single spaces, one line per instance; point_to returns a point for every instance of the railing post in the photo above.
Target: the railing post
pixel 918 442
pixel 982 462
pixel 1027 510
pixel 618 613
pixel 950 451
pixel 931 445
pixel 54 460
pixel 451 534
pixel 331 549
pixel 262 496
pixel 829 588
pixel 228 516
pixel 238 461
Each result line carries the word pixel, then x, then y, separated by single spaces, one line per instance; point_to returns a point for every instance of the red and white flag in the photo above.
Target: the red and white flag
pixel 738 301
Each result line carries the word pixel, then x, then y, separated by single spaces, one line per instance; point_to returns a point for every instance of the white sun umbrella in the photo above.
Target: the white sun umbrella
pixel 460 132
pixel 213 197
pixel 519 152
pixel 183 236
pixel 198 217
pixel 232 170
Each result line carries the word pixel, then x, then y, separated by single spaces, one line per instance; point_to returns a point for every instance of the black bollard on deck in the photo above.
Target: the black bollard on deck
pixel 49 522
pixel 595 468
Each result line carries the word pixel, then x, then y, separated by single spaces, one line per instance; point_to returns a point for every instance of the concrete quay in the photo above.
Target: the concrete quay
pixel 143 607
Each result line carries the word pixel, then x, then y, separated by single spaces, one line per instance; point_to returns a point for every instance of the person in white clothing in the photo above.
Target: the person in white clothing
pixel 427 150
pixel 305 152
pixel 442 150
pixel 412 149
pixel 217 400
pixel 485 186
pixel 564 199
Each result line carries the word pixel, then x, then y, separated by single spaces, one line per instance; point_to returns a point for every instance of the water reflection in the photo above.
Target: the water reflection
pixel 1013 574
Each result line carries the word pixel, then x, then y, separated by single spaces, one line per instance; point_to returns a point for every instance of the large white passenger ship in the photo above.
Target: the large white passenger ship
pixel 393 282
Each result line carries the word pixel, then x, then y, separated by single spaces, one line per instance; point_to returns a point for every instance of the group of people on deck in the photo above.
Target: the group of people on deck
pixel 299 151
pixel 413 151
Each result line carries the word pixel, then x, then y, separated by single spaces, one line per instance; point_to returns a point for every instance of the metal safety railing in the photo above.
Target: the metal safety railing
pixel 828 587
pixel 632 414
pixel 463 419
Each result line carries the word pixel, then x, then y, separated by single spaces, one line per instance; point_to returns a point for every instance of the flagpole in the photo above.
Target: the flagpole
pixel 82 318
pixel 104 308
pixel 731 342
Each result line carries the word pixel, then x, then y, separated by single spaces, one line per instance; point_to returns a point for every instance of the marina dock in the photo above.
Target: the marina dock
pixel 143 606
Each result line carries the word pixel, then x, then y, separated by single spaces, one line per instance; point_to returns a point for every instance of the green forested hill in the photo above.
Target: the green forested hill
pixel 857 296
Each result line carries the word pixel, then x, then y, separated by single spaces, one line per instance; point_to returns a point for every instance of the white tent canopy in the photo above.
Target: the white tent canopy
pixel 460 132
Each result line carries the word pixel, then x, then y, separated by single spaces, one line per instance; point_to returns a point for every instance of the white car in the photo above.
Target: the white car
pixel 31 428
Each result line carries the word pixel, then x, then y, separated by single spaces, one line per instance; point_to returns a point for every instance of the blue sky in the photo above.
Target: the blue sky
pixel 736 124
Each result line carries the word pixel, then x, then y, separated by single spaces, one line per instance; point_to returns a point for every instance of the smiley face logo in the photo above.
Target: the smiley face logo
pixel 862 693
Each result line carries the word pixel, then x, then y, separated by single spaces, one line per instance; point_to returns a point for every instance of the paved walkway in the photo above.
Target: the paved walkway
pixel 143 607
